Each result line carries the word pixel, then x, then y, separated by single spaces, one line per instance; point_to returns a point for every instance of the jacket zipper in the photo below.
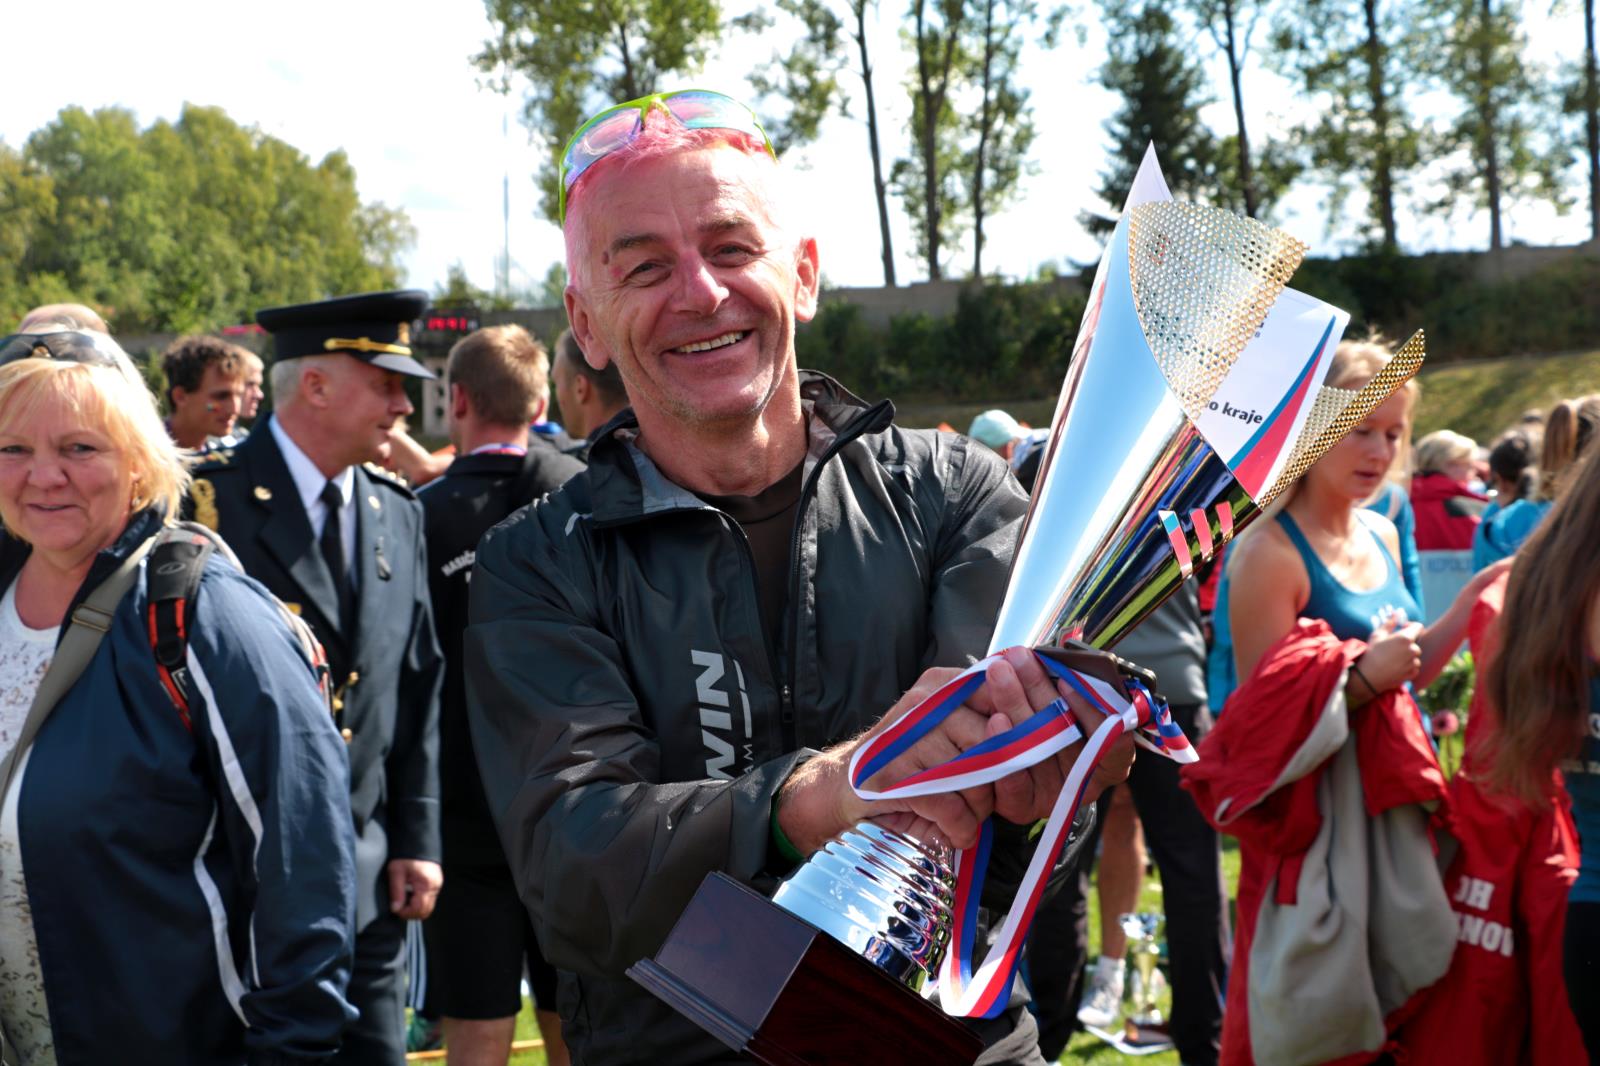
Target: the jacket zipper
pixel 785 708
pixel 856 428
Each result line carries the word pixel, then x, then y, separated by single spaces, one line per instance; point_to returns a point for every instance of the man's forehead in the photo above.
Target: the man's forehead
pixel 709 189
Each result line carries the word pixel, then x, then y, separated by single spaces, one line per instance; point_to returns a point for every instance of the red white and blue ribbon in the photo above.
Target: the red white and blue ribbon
pixel 984 992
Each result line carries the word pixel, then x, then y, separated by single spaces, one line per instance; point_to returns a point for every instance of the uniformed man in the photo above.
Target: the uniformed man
pixel 342 544
pixel 480 941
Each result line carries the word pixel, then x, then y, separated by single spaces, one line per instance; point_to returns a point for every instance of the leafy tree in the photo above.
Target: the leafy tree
pixel 1231 25
pixel 1502 127
pixel 552 291
pixel 1581 97
pixel 577 56
pixel 186 225
pixel 928 180
pixel 807 78
pixel 1359 60
pixel 1003 121
pixel 458 290
pixel 1162 90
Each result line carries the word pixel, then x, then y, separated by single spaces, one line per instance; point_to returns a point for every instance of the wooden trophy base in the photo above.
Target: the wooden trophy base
pixel 766 983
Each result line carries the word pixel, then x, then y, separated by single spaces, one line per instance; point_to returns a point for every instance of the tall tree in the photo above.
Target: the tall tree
pixel 925 180
pixel 1503 126
pixel 806 77
pixel 577 56
pixel 1582 97
pixel 1162 89
pixel 1002 124
pixel 1358 59
pixel 1232 25
pixel 186 225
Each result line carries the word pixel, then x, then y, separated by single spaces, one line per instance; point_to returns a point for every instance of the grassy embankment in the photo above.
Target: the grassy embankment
pixel 1479 398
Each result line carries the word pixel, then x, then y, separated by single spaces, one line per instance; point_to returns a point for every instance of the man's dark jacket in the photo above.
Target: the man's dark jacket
pixel 387 672
pixel 475 493
pixel 633 724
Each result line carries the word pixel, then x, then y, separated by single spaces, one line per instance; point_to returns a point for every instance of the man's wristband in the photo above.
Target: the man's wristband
pixel 785 847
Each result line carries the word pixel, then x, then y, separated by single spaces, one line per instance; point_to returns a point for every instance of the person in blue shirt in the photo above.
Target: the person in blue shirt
pixel 1567 431
pixel 1546 684
pixel 1325 556
pixel 1389 499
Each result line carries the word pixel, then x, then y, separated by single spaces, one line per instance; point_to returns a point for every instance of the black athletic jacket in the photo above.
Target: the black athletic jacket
pixel 632 723
pixel 475 493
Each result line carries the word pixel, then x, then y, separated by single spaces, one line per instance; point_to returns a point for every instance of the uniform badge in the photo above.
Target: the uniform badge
pixel 204 494
pixel 263 493
pixel 405 333
pixel 373 500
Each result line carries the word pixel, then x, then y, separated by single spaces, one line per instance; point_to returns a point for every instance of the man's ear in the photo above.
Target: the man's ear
pixel 808 280
pixel 317 386
pixel 540 409
pixel 583 329
pixel 177 397
pixel 459 404
pixel 581 388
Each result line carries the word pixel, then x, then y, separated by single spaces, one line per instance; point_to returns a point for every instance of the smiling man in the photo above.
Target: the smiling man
pixel 342 545
pixel 671 659
pixel 205 390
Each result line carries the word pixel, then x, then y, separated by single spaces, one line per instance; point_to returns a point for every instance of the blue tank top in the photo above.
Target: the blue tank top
pixel 1583 785
pixel 1350 614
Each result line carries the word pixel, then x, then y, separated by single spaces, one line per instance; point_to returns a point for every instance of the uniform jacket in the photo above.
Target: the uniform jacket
pixel 386 674
pixel 476 492
pixel 1331 809
pixel 1502 1000
pixel 633 725
pixel 193 894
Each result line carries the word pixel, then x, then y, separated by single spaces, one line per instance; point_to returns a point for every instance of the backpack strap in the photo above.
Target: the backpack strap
pixel 177 562
pixel 172 587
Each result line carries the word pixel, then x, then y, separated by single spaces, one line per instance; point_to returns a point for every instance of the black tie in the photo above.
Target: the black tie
pixel 333 552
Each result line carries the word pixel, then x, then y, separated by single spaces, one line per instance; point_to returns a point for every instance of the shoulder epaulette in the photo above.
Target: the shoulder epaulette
pixel 213 459
pixel 389 479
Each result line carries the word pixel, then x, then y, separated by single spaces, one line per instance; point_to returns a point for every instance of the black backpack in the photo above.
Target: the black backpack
pixel 172 578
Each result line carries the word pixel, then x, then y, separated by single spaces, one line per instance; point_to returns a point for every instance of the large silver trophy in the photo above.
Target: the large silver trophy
pixel 1193 399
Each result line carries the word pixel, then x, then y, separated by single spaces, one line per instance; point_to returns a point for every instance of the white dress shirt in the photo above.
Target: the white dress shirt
pixel 308 480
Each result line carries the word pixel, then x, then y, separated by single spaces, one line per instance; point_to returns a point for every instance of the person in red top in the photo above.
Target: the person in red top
pixel 1448 511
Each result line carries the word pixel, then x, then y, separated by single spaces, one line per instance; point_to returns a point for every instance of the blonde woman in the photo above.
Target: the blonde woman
pixel 171 889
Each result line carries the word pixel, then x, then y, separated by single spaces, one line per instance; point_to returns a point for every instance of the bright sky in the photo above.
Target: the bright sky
pixel 391 84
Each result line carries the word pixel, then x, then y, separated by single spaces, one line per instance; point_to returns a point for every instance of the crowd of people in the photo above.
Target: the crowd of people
pixel 271 692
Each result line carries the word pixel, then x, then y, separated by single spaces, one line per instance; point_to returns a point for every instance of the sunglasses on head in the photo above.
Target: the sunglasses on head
pixel 73 346
pixel 695 109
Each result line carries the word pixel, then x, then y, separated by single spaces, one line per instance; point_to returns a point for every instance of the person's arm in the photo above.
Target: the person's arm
pixel 1405 525
pixel 412 766
pixel 281 778
pixel 412 461
pixel 1438 643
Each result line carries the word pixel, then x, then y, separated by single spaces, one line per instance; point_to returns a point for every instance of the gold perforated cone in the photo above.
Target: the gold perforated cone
pixel 1356 406
pixel 1203 281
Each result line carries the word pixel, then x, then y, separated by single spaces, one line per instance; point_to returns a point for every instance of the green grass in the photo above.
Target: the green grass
pixel 1089 1049
pixel 1479 398
pixel 1483 398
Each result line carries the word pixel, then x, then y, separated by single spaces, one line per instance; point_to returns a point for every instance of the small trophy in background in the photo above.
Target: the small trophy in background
pixel 1146 1027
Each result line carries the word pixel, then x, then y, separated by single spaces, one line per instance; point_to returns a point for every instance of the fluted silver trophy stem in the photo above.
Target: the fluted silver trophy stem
pixel 882 893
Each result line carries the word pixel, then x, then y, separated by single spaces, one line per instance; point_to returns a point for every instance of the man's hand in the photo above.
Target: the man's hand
pixel 817 802
pixel 1017 687
pixel 413 887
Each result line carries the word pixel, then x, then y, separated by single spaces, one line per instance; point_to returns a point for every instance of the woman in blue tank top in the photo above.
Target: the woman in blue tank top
pixel 1327 557
pixel 1546 684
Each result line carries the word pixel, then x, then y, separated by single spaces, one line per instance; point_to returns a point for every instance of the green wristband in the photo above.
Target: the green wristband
pixel 785 847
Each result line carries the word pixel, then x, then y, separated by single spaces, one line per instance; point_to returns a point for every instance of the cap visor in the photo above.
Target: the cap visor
pixel 402 364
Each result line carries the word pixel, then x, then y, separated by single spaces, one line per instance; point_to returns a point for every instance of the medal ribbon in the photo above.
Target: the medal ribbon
pixel 985 993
